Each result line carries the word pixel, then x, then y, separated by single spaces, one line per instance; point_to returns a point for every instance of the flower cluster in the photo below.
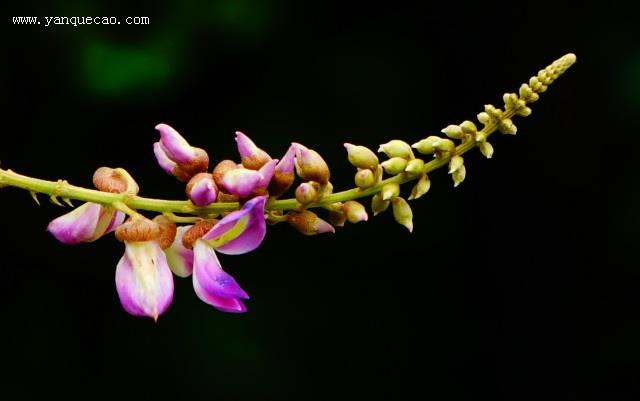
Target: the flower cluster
pixel 229 206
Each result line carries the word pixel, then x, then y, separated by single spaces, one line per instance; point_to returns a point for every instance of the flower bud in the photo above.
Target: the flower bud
pixel 426 146
pixel 397 148
pixel 355 212
pixel 168 231
pixel 337 218
pixel 507 127
pixel 378 205
pixel 390 191
pixel 116 181
pixel 364 179
pixel 307 193
pixel 486 149
pixel 202 190
pixel 468 127
pixel 459 175
pixel 138 230
pixel 402 213
pixel 283 176
pixel 524 111
pixel 395 165
pixel 308 223
pixel 484 118
pixel 221 169
pixel 241 181
pixel 414 167
pixel 361 157
pixel 444 145
pixel 421 187
pixel 252 157
pixel 176 156
pixel 453 131
pixel 310 165
pixel 455 163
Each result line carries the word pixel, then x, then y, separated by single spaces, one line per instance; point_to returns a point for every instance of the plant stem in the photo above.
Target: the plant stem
pixel 127 202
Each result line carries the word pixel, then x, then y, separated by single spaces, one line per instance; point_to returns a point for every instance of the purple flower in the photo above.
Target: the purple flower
pixel 283 175
pixel 176 156
pixel 239 232
pixel 86 223
pixel 143 279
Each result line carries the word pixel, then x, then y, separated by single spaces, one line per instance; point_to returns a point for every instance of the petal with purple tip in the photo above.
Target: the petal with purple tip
pixel 209 275
pixel 223 304
pixel 176 147
pixel 241 181
pixel 179 258
pixel 287 163
pixel 163 159
pixel 78 225
pixel 241 231
pixel 143 280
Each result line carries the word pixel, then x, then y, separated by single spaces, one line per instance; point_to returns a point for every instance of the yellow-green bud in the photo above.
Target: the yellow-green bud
pixel 524 111
pixel 421 188
pixel 378 205
pixel 355 212
pixel 510 100
pixel 397 148
pixel 493 111
pixel 395 165
pixel 364 178
pixel 453 131
pixel 414 167
pixel 507 126
pixel 459 175
pixel 484 118
pixel 444 145
pixel 486 149
pixel 402 213
pixel 361 156
pixel 455 163
pixel 390 191
pixel 425 146
pixel 468 127
pixel 307 193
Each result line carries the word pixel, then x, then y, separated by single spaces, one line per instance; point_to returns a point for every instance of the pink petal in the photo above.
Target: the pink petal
pixel 179 258
pixel 241 231
pixel 143 280
pixel 241 181
pixel 163 159
pixel 266 173
pixel 175 146
pixel 78 225
pixel 223 304
pixel 287 163
pixel 210 276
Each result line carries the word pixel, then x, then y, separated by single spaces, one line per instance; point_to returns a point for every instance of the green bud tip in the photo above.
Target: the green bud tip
pixel 402 213
pixel 361 156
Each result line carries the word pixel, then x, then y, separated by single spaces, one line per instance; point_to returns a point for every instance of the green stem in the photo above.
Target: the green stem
pixel 129 203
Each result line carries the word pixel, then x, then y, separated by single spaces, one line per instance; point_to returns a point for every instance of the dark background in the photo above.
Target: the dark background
pixel 521 284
